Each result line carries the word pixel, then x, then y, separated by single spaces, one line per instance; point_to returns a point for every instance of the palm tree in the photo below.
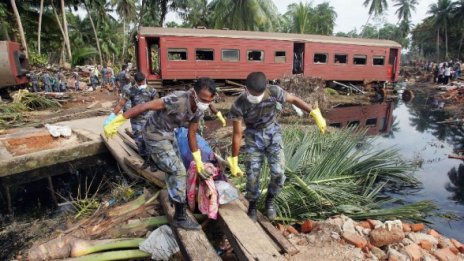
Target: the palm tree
pixel 299 16
pixel 251 15
pixel 194 13
pixel 404 9
pixel 65 29
pixel 40 25
pixel 458 16
pixel 376 7
pixel 325 18
pixel 441 15
pixel 126 10
pixel 100 7
pixel 20 26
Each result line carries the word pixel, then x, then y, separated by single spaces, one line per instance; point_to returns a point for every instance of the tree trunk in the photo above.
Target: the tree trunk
pixel 95 33
pixel 124 34
pixel 446 41
pixel 59 24
pixel 367 22
pixel 460 45
pixel 20 27
pixel 65 27
pixel 142 13
pixel 438 45
pixel 40 25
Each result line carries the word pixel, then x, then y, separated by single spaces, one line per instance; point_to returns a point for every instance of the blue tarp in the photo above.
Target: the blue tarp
pixel 184 149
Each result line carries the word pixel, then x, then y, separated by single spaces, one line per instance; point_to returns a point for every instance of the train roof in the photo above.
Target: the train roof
pixel 159 31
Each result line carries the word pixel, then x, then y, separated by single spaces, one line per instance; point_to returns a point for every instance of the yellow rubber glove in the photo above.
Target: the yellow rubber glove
pixel 221 119
pixel 199 165
pixel 234 168
pixel 320 121
pixel 113 126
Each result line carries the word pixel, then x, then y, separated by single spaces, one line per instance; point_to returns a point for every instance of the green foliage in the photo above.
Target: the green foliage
pixel 36 59
pixel 339 172
pixel 304 19
pixel 330 91
pixel 83 54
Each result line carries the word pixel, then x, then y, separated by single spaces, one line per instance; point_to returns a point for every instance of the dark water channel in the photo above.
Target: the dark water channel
pixel 415 129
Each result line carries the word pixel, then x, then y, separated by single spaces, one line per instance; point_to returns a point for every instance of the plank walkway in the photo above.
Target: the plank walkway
pixel 250 240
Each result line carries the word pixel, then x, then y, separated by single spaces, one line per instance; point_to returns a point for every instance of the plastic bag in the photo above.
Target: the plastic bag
pixel 227 193
pixel 57 130
pixel 161 244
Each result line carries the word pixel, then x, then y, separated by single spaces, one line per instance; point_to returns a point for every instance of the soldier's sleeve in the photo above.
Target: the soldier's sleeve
pixel 171 102
pixel 126 94
pixel 279 93
pixel 236 110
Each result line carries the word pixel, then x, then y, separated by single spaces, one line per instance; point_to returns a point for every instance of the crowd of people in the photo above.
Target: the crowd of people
pixel 104 75
pixel 444 72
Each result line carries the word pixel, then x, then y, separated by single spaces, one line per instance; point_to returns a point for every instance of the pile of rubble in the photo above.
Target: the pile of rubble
pixel 341 238
pixel 310 89
pixel 413 74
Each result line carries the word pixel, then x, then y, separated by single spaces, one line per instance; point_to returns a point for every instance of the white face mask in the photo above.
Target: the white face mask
pixel 255 99
pixel 200 105
pixel 143 86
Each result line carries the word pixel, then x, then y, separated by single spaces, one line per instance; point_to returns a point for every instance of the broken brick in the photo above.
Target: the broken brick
pixel 445 254
pixel 417 227
pixel 292 230
pixel 434 233
pixel 425 244
pixel 381 237
pixel 406 227
pixel 280 227
pixel 371 223
pixel 456 243
pixel 307 226
pixel 413 251
pixel 365 224
pixel 355 239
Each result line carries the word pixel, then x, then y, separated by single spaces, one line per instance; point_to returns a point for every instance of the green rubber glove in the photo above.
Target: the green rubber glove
pixel 221 118
pixel 199 165
pixel 320 121
pixel 113 126
pixel 234 168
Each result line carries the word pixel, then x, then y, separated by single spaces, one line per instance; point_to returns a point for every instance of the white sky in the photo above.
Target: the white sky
pixel 351 13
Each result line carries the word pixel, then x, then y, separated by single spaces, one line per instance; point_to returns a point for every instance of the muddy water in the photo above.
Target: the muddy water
pixel 413 129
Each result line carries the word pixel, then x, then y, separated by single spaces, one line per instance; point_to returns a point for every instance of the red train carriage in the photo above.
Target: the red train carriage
pixel 167 54
pixel 13 65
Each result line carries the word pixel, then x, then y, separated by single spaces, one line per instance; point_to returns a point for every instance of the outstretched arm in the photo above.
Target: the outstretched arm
pixel 119 106
pixel 292 99
pixel 154 105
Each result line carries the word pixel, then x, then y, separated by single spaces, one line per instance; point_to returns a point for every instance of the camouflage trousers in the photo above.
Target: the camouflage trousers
pixel 259 144
pixel 166 155
pixel 137 127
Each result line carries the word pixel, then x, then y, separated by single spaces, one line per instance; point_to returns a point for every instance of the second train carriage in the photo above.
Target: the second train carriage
pixel 170 54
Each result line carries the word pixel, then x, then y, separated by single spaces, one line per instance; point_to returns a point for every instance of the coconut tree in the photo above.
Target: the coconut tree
pixel 325 18
pixel 251 15
pixel 441 13
pixel 99 6
pixel 40 25
pixel 405 8
pixel 458 17
pixel 376 7
pixel 299 16
pixel 20 26
pixel 65 29
pixel 126 10
pixel 194 13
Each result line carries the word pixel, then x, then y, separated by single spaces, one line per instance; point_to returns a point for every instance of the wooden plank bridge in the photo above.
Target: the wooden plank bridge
pixel 250 240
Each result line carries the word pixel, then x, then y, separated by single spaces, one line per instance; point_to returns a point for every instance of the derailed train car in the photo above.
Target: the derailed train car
pixel 173 54
pixel 14 65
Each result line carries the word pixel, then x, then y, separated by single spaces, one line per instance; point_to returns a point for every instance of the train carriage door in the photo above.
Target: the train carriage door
pixel 154 56
pixel 298 58
pixel 392 63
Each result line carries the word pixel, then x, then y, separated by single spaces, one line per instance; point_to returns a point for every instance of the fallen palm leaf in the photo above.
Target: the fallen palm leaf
pixel 113 255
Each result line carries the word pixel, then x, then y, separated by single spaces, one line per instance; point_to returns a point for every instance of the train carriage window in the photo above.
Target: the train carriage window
pixel 204 54
pixel 231 55
pixel 341 58
pixel 378 60
pixel 255 55
pixel 320 58
pixel 177 54
pixel 371 122
pixel 360 59
pixel 280 57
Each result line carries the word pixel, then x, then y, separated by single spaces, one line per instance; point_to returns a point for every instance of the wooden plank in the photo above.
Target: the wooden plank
pixel 247 239
pixel 193 244
pixel 285 244
pixel 119 151
pixel 273 232
pixel 135 164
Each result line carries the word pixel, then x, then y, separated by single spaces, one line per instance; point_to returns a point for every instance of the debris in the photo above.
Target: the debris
pixel 381 237
pixel 57 130
pixel 161 244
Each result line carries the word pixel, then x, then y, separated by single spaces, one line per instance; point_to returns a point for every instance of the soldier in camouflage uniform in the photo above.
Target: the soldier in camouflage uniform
pixel 258 108
pixel 137 94
pixel 35 82
pixel 178 109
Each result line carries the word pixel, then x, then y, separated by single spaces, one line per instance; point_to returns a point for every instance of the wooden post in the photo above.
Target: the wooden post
pixel 52 190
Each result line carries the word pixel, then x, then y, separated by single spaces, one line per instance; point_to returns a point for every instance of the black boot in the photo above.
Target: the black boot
pixel 270 211
pixel 182 220
pixel 146 162
pixel 252 210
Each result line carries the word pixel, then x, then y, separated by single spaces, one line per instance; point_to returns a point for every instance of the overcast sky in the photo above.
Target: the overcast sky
pixel 351 13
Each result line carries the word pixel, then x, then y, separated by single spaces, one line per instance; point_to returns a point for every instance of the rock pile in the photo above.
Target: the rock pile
pixel 375 240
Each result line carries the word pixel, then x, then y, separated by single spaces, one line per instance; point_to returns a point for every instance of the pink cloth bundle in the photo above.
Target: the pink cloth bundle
pixel 207 195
